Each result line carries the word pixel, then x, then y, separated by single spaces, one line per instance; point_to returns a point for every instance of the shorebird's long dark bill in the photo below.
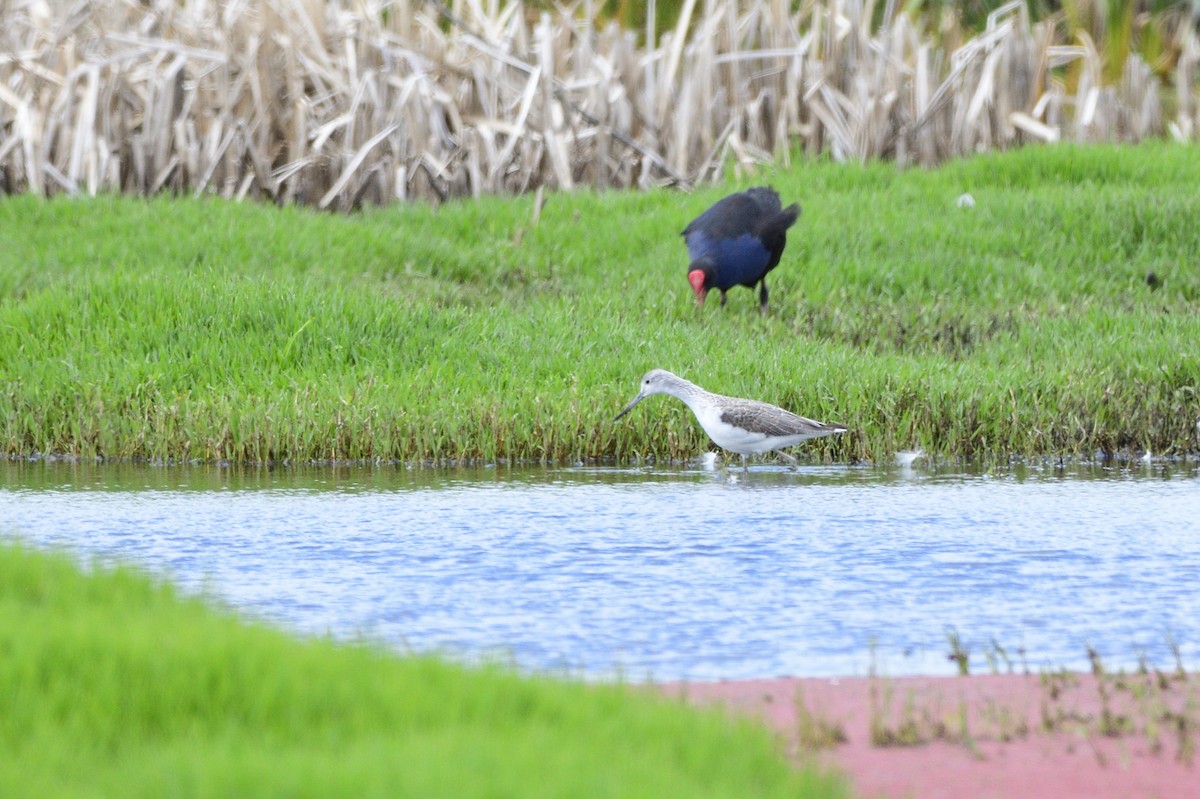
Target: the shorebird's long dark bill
pixel 629 407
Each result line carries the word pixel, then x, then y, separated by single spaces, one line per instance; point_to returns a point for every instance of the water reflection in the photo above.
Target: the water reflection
pixel 673 573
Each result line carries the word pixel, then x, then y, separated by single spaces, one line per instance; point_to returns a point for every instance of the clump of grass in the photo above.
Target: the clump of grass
pixel 1185 726
pixel 1112 723
pixel 960 653
pixel 114 685
pixel 179 330
pixel 1006 723
pixel 813 730
pixel 1150 705
pixel 913 725
pixel 916 722
pixel 995 654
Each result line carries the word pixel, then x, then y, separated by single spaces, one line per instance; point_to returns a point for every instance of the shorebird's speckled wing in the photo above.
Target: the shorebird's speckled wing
pixel 767 419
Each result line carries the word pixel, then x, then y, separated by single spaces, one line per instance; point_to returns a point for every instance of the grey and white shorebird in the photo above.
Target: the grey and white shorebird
pixel 744 426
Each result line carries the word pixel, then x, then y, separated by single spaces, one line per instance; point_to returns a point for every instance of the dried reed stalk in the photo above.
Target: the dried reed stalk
pixel 343 102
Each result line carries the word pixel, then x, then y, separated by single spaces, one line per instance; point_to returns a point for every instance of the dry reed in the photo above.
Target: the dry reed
pixel 343 102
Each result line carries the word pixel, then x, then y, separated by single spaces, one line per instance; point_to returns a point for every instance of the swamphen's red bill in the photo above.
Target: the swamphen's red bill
pixel 696 278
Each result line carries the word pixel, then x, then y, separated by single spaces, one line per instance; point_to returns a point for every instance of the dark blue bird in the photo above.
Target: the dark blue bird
pixel 737 241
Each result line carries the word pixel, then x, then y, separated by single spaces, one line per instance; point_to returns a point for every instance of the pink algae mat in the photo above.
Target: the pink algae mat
pixel 1053 736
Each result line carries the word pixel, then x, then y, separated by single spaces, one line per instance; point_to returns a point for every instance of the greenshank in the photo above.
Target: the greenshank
pixel 747 427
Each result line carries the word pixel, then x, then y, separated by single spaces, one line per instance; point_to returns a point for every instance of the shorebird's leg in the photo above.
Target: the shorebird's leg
pixel 789 458
pixel 745 467
pixel 762 297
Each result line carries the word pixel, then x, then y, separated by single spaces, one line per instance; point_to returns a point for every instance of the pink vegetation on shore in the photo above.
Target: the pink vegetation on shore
pixel 1052 736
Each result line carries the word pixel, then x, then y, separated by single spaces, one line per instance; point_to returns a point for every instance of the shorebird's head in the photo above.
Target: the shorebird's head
pixel 656 381
pixel 700 275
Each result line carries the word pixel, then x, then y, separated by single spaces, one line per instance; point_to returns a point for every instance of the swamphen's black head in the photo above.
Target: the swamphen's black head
pixel 737 241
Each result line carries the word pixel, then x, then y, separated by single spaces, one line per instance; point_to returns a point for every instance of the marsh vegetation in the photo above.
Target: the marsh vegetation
pixel 341 104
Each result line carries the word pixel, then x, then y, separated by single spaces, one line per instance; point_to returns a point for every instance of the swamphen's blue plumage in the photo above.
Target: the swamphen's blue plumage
pixel 737 241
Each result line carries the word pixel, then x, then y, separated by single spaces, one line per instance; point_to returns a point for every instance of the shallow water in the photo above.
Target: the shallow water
pixel 664 573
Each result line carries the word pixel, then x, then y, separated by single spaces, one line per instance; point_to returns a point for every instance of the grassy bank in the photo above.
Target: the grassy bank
pixel 1025 325
pixel 114 686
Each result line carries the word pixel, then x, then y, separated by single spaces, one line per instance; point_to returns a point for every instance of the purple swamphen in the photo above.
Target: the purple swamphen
pixel 737 241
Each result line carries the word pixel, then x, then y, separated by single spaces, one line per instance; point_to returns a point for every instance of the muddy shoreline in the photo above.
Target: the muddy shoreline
pixel 1054 735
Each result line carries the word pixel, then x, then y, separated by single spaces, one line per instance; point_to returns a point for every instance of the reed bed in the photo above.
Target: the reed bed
pixel 340 103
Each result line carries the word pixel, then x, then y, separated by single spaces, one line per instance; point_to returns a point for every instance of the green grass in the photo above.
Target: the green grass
pixel 115 686
pixel 196 329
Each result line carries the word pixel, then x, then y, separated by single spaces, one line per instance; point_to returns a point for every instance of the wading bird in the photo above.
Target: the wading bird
pixel 744 426
pixel 737 241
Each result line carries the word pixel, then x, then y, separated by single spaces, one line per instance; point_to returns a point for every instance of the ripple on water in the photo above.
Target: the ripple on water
pixel 676 574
